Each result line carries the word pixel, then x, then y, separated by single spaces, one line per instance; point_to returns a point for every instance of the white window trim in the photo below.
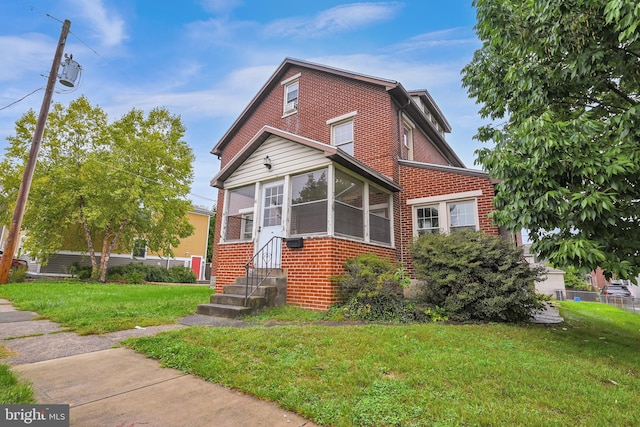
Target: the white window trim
pixel 443 213
pixel 445 197
pixel 342 118
pixel 290 79
pixel 146 248
pixel 286 84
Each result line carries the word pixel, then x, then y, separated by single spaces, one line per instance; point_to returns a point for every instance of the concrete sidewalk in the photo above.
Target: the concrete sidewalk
pixel 107 386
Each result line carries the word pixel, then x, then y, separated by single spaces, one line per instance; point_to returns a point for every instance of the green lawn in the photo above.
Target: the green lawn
pixel 12 391
pixel 100 308
pixel 584 372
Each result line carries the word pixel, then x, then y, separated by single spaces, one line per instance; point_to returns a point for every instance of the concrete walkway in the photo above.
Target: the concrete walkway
pixel 107 386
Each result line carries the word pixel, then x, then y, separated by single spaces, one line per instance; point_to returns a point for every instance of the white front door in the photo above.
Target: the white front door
pixel 271 224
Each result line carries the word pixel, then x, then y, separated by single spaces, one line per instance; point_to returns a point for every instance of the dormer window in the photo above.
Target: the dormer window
pixel 291 86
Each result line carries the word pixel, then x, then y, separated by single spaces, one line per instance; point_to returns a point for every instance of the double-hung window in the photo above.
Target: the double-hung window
pixel 291 88
pixel 445 214
pixel 343 136
pixel 139 248
pixel 342 131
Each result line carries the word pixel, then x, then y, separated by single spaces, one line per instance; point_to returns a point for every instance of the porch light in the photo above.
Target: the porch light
pixel 267 162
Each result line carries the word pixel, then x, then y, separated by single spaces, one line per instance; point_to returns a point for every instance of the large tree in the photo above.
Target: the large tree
pixel 97 186
pixel 559 80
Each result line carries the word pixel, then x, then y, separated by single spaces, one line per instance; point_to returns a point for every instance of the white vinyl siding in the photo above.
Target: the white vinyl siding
pixel 286 158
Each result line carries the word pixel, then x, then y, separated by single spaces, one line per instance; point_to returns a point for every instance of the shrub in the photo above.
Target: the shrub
pixel 372 288
pixel 180 274
pixel 573 280
pixel 475 276
pixel 17 275
pixel 138 272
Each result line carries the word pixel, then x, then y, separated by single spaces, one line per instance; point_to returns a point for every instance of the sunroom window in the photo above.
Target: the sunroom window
pixel 349 205
pixel 309 202
pixel 239 220
pixel 379 216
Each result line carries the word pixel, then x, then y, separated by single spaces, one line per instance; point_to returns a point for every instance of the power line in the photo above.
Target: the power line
pixel 15 102
pixel 147 179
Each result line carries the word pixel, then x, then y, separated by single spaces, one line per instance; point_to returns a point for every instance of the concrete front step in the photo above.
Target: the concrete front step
pixel 238 300
pixel 220 310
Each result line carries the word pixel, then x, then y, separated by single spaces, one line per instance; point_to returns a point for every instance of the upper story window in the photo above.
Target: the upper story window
pixel 291 87
pixel 407 140
pixel 343 136
pixel 342 131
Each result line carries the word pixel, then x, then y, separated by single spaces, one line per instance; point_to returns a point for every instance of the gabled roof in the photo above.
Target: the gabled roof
pixel 329 151
pixel 394 88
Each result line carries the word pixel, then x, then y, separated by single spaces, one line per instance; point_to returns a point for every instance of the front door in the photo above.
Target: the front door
pixel 196 265
pixel 271 224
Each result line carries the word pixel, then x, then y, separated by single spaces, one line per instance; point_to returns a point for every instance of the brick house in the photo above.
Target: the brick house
pixel 339 163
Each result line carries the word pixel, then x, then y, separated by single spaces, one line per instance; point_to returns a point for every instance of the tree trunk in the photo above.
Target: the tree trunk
pixel 87 235
pixel 107 247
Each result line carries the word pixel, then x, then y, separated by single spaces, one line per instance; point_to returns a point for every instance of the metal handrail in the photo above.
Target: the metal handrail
pixel 267 259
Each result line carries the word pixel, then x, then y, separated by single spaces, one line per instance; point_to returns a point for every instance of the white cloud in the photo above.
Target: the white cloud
pixel 217 31
pixel 24 54
pixel 337 19
pixel 108 25
pixel 220 6
pixel 453 37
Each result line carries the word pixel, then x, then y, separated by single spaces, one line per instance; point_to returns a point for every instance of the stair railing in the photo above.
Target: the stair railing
pixel 265 261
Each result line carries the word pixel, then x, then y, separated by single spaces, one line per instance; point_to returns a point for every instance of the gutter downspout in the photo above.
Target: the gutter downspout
pixel 400 207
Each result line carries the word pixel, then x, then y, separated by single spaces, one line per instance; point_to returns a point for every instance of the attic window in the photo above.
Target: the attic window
pixel 291 86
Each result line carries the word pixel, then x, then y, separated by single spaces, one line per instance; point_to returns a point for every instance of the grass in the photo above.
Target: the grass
pixel 100 308
pixel 13 391
pixel 583 372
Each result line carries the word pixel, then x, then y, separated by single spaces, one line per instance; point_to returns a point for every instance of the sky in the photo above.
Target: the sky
pixel 205 60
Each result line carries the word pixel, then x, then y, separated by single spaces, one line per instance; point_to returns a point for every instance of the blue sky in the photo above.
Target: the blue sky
pixel 205 59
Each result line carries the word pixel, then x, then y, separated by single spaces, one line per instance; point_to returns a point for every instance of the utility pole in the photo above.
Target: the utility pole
pixel 23 193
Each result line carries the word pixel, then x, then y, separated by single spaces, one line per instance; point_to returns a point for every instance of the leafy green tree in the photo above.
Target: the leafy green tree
pixel 97 186
pixel 562 80
pixel 212 232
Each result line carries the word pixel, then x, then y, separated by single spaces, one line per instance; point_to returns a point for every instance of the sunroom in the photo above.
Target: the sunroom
pixel 284 186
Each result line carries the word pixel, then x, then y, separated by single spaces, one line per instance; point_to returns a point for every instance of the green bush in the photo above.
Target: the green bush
pixel 475 276
pixel 180 274
pixel 573 280
pixel 372 289
pixel 17 275
pixel 138 272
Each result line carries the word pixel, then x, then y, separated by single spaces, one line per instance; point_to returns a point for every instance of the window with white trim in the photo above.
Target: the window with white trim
pixel 445 214
pixel 139 248
pixel 309 198
pixel 291 97
pixel 349 205
pixel 238 222
pixel 342 136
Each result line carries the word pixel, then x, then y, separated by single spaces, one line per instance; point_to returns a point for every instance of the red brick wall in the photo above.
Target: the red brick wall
pixel 425 151
pixel 231 259
pixel 309 269
pixel 418 182
pixel 324 96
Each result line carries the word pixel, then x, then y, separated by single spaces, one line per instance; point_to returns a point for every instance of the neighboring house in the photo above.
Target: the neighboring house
pixel 347 162
pixel 191 252
pixel 553 283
